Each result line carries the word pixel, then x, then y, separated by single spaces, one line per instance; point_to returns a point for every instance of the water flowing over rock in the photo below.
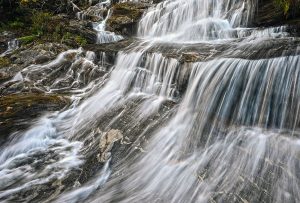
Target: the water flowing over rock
pixel 200 106
pixel 182 21
pixel 101 12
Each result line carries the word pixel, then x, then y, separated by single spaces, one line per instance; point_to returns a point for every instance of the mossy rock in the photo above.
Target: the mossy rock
pixel 4 62
pixel 125 17
pixel 16 110
pixel 27 39
pixel 130 9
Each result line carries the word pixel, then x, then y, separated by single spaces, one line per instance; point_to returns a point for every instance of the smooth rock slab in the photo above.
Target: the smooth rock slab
pixel 17 110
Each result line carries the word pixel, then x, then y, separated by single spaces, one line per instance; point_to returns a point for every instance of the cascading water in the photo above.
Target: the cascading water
pixel 228 134
pixel 124 85
pixel 104 36
pixel 226 143
pixel 234 136
pixel 99 10
pixel 11 46
pixel 196 20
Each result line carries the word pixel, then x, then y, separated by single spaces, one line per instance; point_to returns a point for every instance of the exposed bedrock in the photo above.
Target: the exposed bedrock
pixel 270 14
pixel 18 109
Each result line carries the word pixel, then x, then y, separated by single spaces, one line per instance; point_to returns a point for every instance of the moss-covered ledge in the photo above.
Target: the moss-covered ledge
pixel 17 109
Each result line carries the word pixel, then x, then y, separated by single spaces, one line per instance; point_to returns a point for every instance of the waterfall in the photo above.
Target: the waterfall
pixel 234 138
pixel 12 45
pixel 99 10
pixel 104 36
pixel 221 129
pixel 196 20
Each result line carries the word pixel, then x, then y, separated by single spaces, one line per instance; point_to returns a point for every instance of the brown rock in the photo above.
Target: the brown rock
pixel 16 109
pixel 125 17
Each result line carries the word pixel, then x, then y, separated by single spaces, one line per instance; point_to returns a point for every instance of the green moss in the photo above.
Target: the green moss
pixel 67 36
pixel 40 21
pixel 284 5
pixel 16 104
pixel 80 40
pixel 290 8
pixel 17 107
pixel 16 25
pixel 129 9
pixel 4 62
pixel 32 22
pixel 26 2
pixel 70 38
pixel 28 39
pixel 32 98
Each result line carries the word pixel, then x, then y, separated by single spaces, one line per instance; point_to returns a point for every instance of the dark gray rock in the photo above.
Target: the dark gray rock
pixel 268 14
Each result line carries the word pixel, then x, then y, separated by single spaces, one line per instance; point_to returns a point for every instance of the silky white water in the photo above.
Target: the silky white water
pixel 99 10
pixel 231 133
pixel 123 85
pixel 195 21
pixel 226 142
pixel 104 36
pixel 12 45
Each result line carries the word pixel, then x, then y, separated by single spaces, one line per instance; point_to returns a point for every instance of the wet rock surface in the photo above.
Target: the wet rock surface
pixel 117 136
pixel 17 110
pixel 93 13
pixel 116 142
pixel 37 54
pixel 25 56
pixel 265 48
pixel 110 49
pixel 270 14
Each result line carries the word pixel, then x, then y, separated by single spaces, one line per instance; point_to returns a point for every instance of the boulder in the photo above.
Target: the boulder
pixel 82 28
pixel 125 17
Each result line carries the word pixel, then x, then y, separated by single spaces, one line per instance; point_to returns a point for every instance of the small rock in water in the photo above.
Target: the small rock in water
pixel 107 142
